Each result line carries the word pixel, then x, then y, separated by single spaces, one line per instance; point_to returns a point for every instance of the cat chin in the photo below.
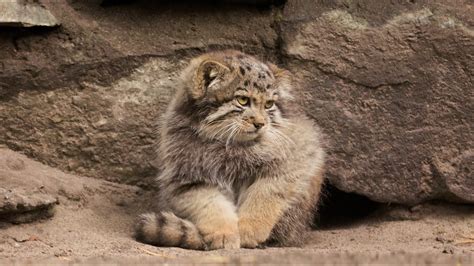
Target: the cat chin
pixel 248 137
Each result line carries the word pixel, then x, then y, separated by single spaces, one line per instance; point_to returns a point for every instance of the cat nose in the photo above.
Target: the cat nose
pixel 258 125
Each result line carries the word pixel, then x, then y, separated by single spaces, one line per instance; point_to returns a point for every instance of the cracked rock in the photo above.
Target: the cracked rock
pixel 19 13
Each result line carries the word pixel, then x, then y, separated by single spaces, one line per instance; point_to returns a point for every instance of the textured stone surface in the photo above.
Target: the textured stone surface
pixel 19 206
pixel 390 82
pixel 23 197
pixel 19 13
pixel 96 130
pixel 395 99
pixel 30 190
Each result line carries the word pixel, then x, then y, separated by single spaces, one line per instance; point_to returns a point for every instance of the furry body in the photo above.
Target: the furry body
pixel 241 163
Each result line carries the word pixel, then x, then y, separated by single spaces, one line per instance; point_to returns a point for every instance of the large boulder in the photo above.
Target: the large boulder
pixel 394 96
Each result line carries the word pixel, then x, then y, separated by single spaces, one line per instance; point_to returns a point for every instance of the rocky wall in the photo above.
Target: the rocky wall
pixel 390 82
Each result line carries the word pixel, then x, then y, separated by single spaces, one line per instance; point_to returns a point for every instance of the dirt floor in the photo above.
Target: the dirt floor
pixel 94 218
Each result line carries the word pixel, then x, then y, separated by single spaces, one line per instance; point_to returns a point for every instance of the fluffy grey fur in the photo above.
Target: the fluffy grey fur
pixel 241 163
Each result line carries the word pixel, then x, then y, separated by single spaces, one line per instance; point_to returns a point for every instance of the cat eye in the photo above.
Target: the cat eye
pixel 242 100
pixel 269 104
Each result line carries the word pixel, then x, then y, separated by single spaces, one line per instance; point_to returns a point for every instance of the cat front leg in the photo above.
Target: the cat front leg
pixel 213 214
pixel 260 208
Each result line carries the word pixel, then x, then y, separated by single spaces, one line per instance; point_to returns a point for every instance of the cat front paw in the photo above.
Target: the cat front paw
pixel 252 233
pixel 222 240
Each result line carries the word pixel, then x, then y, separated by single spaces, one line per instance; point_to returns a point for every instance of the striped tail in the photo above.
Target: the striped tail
pixel 165 229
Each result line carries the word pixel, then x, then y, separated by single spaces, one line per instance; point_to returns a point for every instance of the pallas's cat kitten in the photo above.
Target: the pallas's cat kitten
pixel 241 164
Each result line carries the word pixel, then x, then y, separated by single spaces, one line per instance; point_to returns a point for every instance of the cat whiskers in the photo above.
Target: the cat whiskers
pixel 235 131
pixel 220 132
pixel 207 124
pixel 230 131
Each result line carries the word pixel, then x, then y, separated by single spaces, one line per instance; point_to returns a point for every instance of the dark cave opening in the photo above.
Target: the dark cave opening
pixel 337 208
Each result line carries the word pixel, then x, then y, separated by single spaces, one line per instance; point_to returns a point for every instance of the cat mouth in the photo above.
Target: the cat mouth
pixel 250 135
pixel 252 132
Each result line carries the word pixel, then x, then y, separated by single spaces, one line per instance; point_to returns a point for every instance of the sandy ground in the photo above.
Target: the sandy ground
pixel 98 229
pixel 93 224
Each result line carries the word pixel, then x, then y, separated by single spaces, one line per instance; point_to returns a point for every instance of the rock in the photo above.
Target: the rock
pixel 98 130
pixel 22 206
pixel 28 190
pixel 459 176
pixel 22 197
pixel 20 13
pixel 387 80
pixel 392 97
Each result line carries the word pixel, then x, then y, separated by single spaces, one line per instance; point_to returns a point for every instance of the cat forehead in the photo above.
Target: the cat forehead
pixel 254 75
pixel 250 66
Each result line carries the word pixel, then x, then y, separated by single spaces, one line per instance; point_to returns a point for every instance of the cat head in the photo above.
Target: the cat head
pixel 238 98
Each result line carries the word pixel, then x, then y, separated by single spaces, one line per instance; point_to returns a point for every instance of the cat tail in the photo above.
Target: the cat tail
pixel 165 229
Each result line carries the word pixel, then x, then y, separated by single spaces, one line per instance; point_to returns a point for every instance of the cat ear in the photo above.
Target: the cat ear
pixel 284 80
pixel 207 76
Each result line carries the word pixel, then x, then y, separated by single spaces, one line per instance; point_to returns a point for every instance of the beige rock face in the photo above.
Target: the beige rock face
pixel 96 130
pixel 393 99
pixel 19 13
pixel 390 82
